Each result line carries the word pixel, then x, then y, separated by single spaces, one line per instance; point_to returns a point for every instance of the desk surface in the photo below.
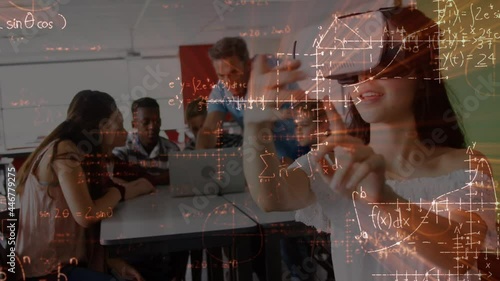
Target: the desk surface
pixel 5 161
pixel 16 152
pixel 160 217
pixel 247 205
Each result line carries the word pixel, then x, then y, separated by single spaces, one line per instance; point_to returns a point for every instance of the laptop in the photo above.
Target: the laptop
pixel 206 172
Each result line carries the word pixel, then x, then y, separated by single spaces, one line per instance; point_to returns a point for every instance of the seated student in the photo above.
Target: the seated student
pixel 66 174
pixel 311 121
pixel 287 146
pixel 145 152
pixel 289 149
pixel 196 113
pixel 233 65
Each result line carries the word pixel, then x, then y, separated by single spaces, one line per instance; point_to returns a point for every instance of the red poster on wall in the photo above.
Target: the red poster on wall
pixel 198 74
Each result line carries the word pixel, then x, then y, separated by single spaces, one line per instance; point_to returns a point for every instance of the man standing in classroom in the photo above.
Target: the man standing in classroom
pixel 232 64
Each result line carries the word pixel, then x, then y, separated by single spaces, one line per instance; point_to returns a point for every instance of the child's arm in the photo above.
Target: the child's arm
pixel 123 270
pixel 73 182
pixel 129 172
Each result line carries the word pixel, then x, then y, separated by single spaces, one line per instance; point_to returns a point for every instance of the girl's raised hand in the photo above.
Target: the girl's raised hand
pixel 357 163
pixel 267 88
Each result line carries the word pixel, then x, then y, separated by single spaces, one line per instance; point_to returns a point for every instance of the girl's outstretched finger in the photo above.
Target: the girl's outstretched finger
pixel 328 167
pixel 333 141
pixel 337 125
pixel 345 159
pixel 347 156
pixel 338 131
pixel 374 163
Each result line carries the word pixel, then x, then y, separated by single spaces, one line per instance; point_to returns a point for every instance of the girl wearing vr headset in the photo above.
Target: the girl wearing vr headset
pixel 404 197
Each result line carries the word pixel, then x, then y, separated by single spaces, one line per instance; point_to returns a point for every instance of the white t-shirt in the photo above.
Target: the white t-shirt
pixel 48 233
pixel 363 242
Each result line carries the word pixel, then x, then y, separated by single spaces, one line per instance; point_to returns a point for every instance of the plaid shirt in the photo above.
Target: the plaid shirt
pixel 134 154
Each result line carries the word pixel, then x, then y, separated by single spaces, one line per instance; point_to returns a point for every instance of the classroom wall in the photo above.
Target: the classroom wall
pixel 34 98
pixel 469 62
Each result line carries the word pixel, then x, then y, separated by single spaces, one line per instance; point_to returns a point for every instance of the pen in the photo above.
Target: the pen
pixel 294 48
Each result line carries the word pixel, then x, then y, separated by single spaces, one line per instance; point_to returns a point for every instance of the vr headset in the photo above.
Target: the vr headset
pixel 342 48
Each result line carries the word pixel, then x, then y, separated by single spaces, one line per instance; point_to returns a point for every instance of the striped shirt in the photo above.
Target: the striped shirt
pixel 134 154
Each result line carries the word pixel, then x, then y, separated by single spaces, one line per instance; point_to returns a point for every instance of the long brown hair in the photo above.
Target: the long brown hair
pixel 431 106
pixel 86 112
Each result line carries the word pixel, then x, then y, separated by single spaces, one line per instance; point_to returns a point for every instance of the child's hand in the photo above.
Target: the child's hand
pixel 130 273
pixel 358 164
pixel 135 188
pixel 124 270
pixel 267 87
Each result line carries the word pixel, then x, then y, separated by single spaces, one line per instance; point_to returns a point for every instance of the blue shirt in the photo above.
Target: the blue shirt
pixel 221 99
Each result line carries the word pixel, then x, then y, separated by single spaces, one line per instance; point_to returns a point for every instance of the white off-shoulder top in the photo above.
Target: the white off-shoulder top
pixel 369 244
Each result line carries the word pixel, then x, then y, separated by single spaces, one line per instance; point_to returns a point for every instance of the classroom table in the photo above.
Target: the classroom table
pixel 159 223
pixel 273 226
pixel 17 152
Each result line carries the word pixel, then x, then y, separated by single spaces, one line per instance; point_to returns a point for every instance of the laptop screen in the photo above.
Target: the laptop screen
pixel 207 172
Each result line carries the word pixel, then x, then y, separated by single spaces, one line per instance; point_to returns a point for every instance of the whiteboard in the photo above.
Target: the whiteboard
pixel 158 79
pixel 34 98
pixel 26 127
pixel 57 83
